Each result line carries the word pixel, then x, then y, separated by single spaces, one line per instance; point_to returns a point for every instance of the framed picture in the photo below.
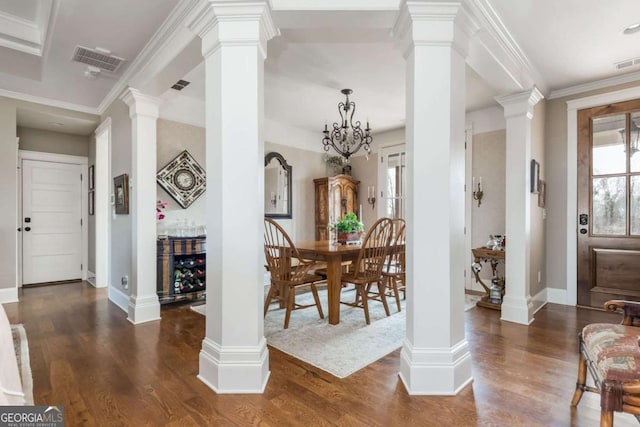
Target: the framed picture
pixel 91 202
pixel 542 186
pixel 183 179
pixel 535 176
pixel 121 194
pixel 91 178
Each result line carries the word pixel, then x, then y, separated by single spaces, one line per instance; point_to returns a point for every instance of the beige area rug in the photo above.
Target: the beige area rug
pixel 21 346
pixel 340 349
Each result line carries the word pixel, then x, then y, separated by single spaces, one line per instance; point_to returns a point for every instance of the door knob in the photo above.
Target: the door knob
pixel 27 229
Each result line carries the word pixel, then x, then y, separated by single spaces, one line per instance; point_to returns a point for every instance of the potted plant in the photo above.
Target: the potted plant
pixel 349 228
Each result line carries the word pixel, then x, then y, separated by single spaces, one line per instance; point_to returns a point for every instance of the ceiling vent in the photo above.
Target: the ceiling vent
pixel 627 63
pixel 98 57
pixel 180 84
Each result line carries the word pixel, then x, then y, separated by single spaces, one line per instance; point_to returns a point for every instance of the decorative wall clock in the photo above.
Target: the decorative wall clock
pixel 183 178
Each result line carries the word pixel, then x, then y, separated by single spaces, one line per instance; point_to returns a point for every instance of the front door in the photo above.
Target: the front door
pixel 609 203
pixel 51 222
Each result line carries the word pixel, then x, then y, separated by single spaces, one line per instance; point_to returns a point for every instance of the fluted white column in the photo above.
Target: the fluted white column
pixel 234 356
pixel 143 299
pixel 435 357
pixel 518 111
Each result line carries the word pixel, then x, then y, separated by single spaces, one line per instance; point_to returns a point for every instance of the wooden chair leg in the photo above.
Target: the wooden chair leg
pixel 291 302
pixel 383 296
pixel 393 285
pixel 365 304
pixel 267 301
pixel 606 419
pixel 581 382
pixel 314 290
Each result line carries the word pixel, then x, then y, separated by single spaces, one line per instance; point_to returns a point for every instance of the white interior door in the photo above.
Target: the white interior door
pixel 51 222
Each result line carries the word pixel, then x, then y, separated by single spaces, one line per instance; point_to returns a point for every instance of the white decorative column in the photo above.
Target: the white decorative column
pixel 518 111
pixel 143 300
pixel 435 358
pixel 234 356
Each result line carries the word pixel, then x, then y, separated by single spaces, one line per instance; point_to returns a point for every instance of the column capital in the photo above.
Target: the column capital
pixel 141 104
pixel 234 23
pixel 520 103
pixel 425 23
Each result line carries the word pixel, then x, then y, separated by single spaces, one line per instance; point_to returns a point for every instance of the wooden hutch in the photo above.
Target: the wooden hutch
pixel 335 196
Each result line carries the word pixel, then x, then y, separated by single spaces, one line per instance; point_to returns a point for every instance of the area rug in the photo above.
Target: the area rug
pixel 21 346
pixel 340 349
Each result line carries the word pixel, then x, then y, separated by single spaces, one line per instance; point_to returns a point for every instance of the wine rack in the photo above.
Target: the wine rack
pixel 181 269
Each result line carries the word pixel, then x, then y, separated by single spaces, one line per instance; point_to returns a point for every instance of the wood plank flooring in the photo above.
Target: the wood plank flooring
pixel 86 356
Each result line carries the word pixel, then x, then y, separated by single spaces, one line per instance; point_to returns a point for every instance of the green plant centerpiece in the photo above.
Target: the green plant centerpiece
pixel 348 228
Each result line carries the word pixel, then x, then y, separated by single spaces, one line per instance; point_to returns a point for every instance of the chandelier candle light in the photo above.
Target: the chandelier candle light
pixel 347 137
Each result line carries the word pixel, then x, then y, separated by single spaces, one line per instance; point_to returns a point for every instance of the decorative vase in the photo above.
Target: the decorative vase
pixel 349 237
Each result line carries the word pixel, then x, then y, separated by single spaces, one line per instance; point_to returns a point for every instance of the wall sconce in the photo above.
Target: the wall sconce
pixel 371 196
pixel 477 191
pixel 274 200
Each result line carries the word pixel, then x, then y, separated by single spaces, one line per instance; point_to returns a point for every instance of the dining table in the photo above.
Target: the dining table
pixel 334 255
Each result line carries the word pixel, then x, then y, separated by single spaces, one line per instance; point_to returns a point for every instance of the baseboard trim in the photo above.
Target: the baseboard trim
pixel 8 295
pixel 119 298
pixel 91 278
pixel 557 296
pixel 539 300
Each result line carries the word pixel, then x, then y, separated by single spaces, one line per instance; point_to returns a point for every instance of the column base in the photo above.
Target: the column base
pixel 143 309
pixel 435 371
pixel 517 310
pixel 228 369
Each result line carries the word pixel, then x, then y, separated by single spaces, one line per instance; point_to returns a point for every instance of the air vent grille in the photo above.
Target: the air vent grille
pixel 627 63
pixel 180 84
pixel 97 58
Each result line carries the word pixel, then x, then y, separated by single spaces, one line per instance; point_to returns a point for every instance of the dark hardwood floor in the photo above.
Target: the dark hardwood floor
pixel 86 356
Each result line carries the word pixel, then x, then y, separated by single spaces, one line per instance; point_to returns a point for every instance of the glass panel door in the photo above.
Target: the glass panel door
pixel 394 182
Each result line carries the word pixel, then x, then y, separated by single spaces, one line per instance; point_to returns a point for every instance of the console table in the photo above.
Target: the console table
pixel 494 257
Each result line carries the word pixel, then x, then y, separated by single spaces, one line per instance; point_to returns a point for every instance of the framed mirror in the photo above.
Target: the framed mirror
pixel 277 186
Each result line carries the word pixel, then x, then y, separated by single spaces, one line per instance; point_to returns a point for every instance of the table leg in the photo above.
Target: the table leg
pixel 334 287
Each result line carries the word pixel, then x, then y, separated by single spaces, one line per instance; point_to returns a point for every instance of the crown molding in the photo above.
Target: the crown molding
pixel 491 22
pixel 48 101
pixel 598 84
pixel 335 5
pixel 178 18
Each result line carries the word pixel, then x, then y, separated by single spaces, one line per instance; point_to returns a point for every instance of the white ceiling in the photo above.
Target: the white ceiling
pixel 566 43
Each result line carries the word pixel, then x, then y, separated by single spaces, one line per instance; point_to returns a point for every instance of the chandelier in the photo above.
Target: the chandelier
pixel 347 137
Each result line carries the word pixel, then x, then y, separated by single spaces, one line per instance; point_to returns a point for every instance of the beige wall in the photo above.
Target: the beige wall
pixel 9 191
pixel 366 171
pixel 53 142
pixel 307 165
pixel 537 243
pixel 489 151
pixel 556 176
pixel 120 163
pixel 172 139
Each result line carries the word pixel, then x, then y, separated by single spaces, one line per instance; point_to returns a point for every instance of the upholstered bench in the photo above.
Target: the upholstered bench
pixel 611 354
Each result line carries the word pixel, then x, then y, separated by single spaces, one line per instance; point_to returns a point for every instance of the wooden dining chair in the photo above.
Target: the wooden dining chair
pixel 367 269
pixel 288 270
pixel 393 272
